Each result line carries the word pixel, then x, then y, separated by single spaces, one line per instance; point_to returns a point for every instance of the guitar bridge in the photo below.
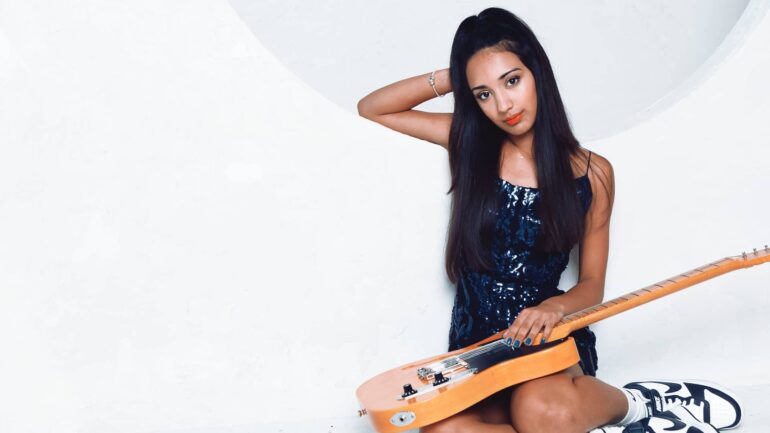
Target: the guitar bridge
pixel 443 382
pixel 444 366
pixel 438 375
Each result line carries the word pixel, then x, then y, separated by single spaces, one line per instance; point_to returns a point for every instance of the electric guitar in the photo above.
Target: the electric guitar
pixel 432 389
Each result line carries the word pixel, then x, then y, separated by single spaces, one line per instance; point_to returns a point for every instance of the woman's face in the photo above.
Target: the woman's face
pixel 504 89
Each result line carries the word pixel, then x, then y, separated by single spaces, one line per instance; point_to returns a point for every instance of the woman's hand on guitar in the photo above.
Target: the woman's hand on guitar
pixel 531 321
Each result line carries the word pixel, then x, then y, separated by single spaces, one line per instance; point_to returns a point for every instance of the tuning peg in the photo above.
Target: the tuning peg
pixel 755 251
pixel 744 255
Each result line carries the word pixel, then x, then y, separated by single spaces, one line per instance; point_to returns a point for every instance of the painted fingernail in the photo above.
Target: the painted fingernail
pixel 508 341
pixel 528 341
pixel 516 343
pixel 542 340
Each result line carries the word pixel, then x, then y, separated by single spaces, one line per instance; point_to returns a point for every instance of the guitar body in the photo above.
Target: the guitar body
pixel 491 364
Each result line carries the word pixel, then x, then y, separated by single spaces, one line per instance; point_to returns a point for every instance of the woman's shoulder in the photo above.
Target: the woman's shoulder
pixel 591 163
pixel 601 175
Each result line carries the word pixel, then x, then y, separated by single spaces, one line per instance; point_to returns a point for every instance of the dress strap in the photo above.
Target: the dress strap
pixel 589 161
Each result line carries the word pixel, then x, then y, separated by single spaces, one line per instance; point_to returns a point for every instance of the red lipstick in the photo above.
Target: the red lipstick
pixel 514 119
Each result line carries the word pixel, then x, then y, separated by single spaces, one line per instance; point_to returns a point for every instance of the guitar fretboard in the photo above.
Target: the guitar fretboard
pixel 662 288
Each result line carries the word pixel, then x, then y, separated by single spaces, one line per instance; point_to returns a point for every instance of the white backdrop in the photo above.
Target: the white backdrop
pixel 193 239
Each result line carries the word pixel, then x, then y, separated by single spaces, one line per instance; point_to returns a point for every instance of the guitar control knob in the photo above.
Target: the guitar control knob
pixel 439 379
pixel 408 390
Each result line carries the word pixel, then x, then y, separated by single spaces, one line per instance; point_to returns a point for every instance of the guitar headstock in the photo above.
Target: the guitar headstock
pixel 755 257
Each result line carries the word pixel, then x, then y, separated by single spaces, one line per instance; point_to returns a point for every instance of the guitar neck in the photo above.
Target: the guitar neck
pixel 660 289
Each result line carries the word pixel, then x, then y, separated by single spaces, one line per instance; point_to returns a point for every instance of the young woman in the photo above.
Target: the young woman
pixel 524 193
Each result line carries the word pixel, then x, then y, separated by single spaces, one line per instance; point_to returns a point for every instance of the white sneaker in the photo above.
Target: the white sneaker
pixel 708 402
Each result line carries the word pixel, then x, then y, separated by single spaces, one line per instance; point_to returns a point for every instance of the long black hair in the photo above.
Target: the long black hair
pixel 475 144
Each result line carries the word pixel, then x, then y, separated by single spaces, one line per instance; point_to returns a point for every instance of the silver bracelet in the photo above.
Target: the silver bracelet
pixel 432 81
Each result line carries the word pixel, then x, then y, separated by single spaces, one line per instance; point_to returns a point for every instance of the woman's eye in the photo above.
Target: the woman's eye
pixel 481 96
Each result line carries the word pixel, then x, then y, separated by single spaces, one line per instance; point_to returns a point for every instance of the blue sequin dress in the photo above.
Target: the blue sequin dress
pixel 487 303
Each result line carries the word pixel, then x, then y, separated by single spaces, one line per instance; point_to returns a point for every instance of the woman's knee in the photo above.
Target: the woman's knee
pixel 544 404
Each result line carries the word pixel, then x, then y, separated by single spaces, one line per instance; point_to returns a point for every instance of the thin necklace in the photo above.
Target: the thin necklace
pixel 520 153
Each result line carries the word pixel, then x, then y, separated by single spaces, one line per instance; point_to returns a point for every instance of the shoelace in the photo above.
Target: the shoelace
pixel 681 401
pixel 658 404
pixel 691 403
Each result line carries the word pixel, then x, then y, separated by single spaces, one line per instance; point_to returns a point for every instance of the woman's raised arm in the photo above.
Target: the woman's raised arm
pixel 392 106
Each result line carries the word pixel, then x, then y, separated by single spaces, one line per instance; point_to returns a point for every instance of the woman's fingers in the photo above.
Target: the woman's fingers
pixel 528 324
pixel 514 329
pixel 546 332
pixel 525 329
pixel 537 326
pixel 521 327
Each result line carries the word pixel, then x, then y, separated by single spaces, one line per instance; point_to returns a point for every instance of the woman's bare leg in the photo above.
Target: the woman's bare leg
pixel 566 402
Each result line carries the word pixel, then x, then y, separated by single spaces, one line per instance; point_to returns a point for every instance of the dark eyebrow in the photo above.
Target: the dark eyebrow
pixel 499 78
